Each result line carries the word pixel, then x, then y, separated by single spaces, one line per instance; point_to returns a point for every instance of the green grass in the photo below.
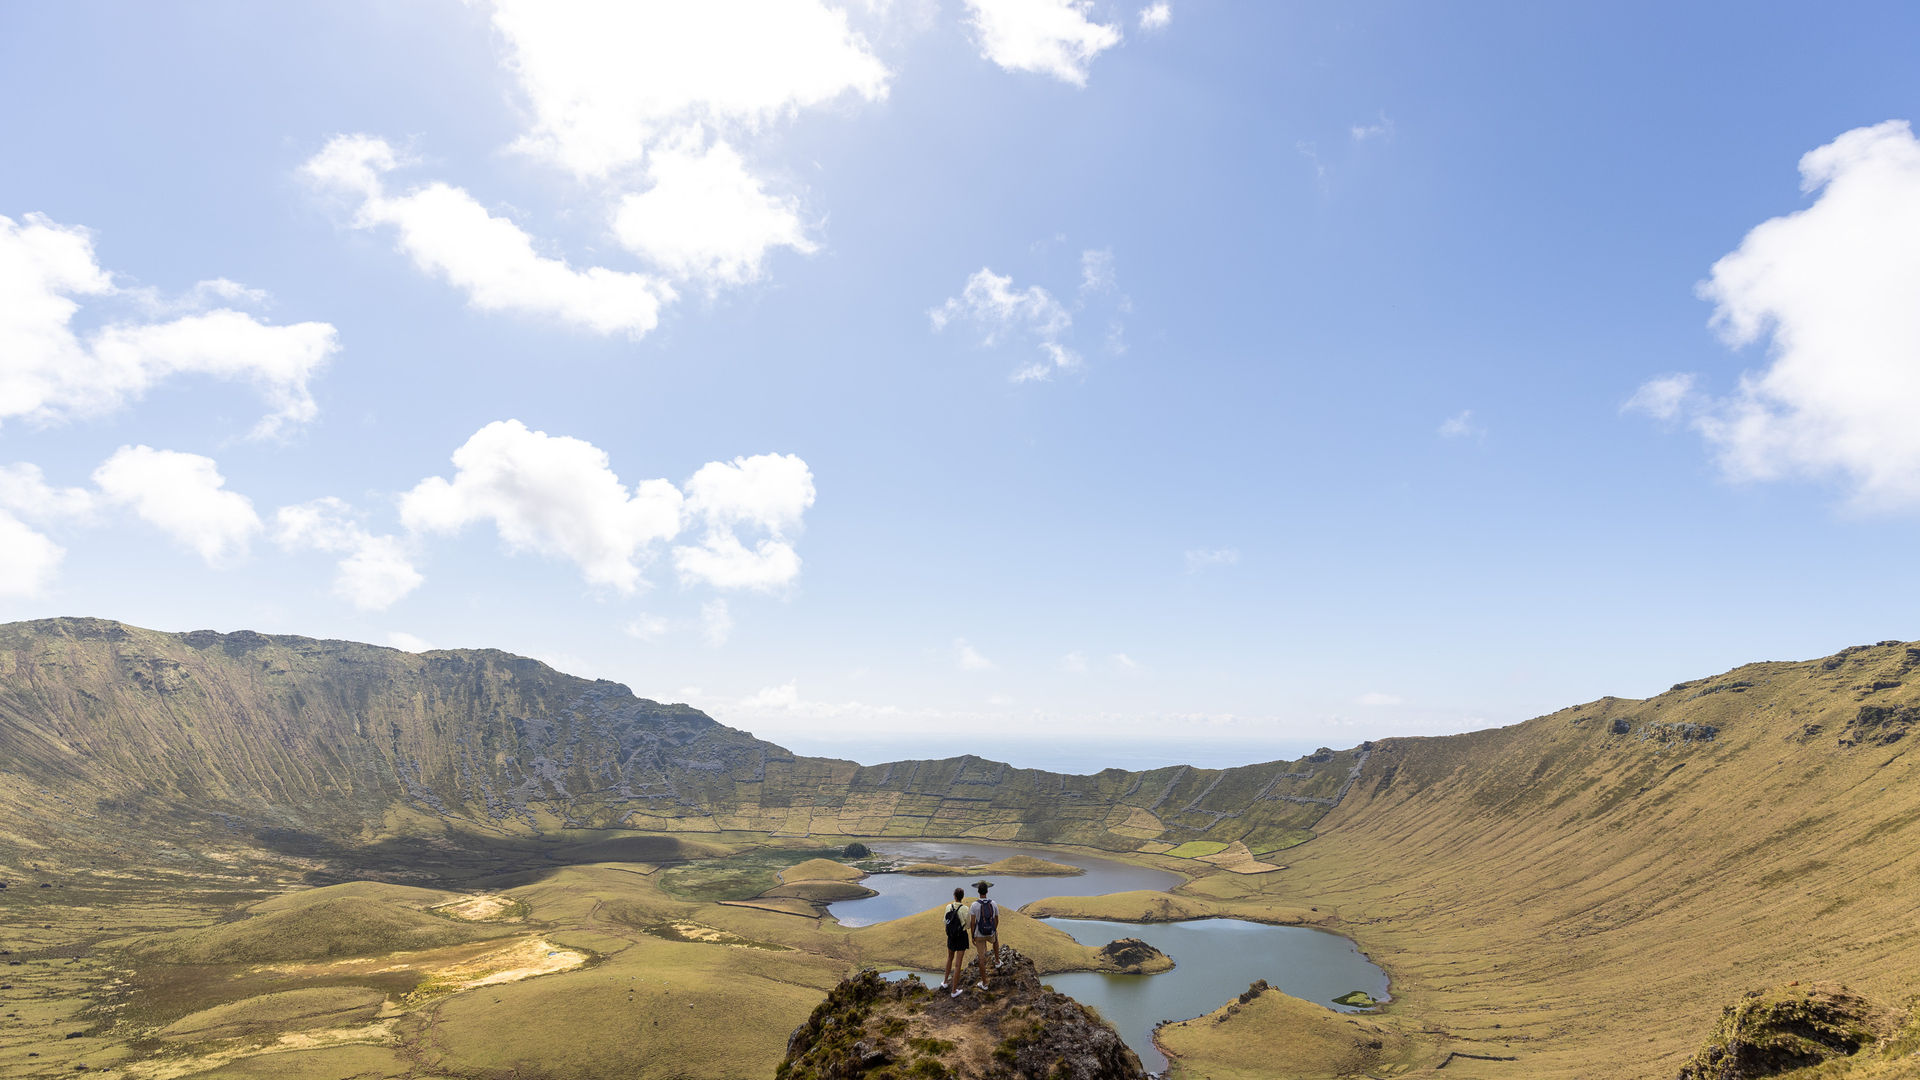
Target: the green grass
pixel 1193 849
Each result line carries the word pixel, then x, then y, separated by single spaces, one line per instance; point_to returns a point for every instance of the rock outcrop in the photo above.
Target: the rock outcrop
pixel 1131 956
pixel 871 1028
pixel 1789 1027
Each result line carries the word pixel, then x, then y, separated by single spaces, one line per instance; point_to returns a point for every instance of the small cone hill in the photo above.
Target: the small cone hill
pixel 1579 895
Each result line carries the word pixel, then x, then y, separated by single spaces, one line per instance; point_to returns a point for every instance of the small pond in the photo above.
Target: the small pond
pixel 1214 959
pixel 904 894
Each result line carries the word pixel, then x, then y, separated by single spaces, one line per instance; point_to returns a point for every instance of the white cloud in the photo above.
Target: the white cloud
pixel 375 572
pixel 1124 662
pixel 767 491
pixel 406 642
pixel 1058 358
pixel 1074 662
pixel 28 559
pixel 1375 698
pixel 607 80
pixel 184 496
pixel 716 622
pixel 1381 129
pixel 449 234
pixel 706 217
pixel 1663 398
pixel 1156 16
pixel 550 494
pixel 967 658
pixel 1461 426
pixel 784 696
pixel 1834 290
pixel 48 372
pixel 1199 559
pixel 646 627
pixel 990 301
pixel 1047 37
pixel 25 491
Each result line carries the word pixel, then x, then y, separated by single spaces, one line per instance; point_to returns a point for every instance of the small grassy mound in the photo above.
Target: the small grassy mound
pixel 823 892
pixel 1148 906
pixel 1268 1035
pixel 821 870
pixel 403 895
pixel 1193 849
pixel 1028 866
pixel 272 1014
pixel 932 869
pixel 332 927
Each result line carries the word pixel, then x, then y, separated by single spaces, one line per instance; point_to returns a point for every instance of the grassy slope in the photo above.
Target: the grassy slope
pixel 1587 901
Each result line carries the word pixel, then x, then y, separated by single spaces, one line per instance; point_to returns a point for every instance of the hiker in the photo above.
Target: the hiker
pixel 983 919
pixel 956 920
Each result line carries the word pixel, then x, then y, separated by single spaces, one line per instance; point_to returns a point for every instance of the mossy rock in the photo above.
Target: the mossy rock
pixel 1788 1027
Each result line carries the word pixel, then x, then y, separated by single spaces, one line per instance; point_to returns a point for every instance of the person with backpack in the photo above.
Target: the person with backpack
pixel 984 920
pixel 956 920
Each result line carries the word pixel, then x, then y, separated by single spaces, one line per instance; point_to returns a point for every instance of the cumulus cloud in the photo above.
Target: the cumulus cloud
pixel 1047 37
pixel 1834 292
pixel 406 642
pixel 991 304
pixel 968 658
pixel 658 97
pixel 449 234
pixel 50 372
pixel 606 80
pixel 707 218
pixel 553 495
pixel 559 496
pixel 182 495
pixel 1156 16
pixel 1199 559
pixel 28 559
pixel 1461 425
pixel 374 572
pixel 767 491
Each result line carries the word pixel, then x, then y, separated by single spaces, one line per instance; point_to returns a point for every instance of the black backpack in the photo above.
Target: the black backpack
pixel 954 923
pixel 988 923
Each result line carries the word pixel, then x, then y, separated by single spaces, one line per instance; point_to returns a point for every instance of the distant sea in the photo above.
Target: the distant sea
pixel 1077 756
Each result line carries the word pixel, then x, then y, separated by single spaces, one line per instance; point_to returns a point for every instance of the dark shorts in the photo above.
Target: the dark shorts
pixel 957 942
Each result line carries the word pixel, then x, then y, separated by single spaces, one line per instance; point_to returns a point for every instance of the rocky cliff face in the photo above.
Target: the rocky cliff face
pixel 871 1028
pixel 109 731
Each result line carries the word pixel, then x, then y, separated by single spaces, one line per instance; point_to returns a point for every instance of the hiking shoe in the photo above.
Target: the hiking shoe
pixel 982 986
pixel 957 991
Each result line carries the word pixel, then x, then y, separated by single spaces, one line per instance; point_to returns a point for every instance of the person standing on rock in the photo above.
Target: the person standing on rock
pixel 957 921
pixel 983 919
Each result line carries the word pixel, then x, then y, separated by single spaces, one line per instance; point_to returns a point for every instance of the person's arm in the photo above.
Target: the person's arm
pixel 973 916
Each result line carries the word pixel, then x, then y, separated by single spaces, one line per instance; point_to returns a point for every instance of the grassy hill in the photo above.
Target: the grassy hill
pixel 1579 895
pixel 1585 891
pixel 111 733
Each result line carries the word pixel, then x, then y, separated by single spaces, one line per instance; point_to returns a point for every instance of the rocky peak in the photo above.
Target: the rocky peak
pixel 871 1028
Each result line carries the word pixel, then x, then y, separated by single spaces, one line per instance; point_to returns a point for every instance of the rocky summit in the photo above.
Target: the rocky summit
pixel 870 1029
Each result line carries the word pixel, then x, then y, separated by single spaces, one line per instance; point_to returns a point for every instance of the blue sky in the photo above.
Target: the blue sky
pixel 1075 383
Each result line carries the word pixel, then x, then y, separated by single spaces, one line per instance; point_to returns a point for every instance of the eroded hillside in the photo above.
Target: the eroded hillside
pixel 108 729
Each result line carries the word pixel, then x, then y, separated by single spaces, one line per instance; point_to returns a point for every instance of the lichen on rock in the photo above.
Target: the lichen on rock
pixel 1788 1027
pixel 872 1029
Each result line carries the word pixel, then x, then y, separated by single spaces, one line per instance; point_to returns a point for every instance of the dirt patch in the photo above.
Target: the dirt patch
pixel 523 959
pixel 484 909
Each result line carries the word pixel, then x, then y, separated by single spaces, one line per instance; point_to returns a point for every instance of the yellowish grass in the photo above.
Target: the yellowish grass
pixel 1278 1037
pixel 821 870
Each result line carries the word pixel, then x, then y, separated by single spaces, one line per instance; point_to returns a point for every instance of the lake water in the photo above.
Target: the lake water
pixel 1214 959
pixel 904 894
